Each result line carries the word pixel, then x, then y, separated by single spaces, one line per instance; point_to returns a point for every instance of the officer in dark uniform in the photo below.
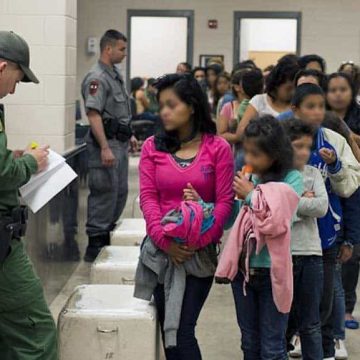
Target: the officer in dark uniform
pixel 107 106
pixel 27 329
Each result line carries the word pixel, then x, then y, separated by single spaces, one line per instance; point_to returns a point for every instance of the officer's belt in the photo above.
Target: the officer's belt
pixel 115 130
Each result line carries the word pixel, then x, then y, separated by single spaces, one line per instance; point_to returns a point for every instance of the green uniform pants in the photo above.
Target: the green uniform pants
pixel 27 329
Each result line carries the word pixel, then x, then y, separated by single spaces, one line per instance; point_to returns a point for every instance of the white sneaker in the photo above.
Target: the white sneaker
pixel 340 350
pixel 332 358
pixel 296 353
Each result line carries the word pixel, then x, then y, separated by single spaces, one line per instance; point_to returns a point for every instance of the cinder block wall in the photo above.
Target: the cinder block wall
pixel 45 112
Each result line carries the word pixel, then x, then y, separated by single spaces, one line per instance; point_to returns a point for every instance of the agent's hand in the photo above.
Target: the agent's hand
pixel 329 156
pixel 107 157
pixel 242 186
pixel 41 156
pixel 179 253
pixel 134 144
pixel 190 194
pixel 18 153
pixel 345 253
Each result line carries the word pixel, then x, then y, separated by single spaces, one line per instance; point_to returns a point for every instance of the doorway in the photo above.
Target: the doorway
pixel 264 37
pixel 158 41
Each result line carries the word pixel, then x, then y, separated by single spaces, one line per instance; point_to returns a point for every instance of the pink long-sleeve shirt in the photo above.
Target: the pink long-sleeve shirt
pixel 162 182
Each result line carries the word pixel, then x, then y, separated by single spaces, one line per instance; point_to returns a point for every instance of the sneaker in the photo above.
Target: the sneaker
pixel 340 350
pixel 332 358
pixel 296 352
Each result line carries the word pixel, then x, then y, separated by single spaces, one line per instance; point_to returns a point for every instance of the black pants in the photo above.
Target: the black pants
pixel 326 305
pixel 305 312
pixel 350 277
pixel 196 293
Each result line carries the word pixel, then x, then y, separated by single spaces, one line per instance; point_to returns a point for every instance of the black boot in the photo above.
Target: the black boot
pixel 71 248
pixel 96 243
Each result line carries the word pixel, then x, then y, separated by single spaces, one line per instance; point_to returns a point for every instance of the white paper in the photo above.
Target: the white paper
pixel 44 186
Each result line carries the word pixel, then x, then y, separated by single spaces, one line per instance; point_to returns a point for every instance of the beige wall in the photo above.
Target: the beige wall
pixel 330 28
pixel 45 112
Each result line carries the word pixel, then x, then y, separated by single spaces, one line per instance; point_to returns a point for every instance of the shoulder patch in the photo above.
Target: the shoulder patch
pixel 93 87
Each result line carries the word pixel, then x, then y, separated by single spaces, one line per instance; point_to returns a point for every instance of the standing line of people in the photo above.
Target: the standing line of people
pixel 291 201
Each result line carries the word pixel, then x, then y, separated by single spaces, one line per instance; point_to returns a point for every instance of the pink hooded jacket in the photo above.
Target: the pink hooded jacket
pixel 268 221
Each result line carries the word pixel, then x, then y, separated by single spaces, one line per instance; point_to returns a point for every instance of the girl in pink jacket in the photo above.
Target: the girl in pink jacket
pixel 257 256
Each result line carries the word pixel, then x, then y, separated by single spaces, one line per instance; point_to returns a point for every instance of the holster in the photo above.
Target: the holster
pixel 114 130
pixel 13 226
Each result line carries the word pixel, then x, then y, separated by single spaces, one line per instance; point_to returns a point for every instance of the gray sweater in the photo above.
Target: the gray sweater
pixel 305 238
pixel 155 267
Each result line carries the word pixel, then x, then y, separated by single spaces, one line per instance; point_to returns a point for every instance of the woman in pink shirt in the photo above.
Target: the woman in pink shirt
pixel 185 151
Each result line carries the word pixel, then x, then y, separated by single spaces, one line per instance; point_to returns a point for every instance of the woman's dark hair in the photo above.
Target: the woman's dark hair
pixel 355 74
pixel 305 90
pixel 187 66
pixel 283 71
pixel 190 92
pixel 243 65
pixel 151 81
pixel 295 129
pixel 236 79
pixel 198 68
pixel 217 68
pixel 289 59
pixel 321 77
pixel 270 137
pixel 350 82
pixel 269 68
pixel 306 59
pixel 333 122
pixel 136 84
pixel 217 95
pixel 252 82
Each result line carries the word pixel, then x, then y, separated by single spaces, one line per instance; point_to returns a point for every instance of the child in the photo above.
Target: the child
pixel 268 151
pixel 341 172
pixel 247 84
pixel 348 238
pixel 306 245
pixel 222 88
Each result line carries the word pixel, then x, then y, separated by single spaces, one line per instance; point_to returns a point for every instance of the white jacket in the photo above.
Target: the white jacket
pixel 346 181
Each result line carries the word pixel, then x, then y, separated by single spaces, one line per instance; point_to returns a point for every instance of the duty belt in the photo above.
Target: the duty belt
pixel 12 226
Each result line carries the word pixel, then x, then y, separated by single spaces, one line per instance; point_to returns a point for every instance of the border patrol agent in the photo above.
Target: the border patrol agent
pixel 107 106
pixel 27 329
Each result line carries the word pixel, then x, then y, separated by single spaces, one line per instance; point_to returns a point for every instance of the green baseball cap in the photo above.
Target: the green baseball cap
pixel 14 48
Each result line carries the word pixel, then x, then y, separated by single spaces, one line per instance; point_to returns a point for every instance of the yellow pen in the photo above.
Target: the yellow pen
pixel 34 145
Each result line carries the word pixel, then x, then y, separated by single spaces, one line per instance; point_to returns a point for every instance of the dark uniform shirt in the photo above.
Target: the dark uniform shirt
pixel 13 173
pixel 103 90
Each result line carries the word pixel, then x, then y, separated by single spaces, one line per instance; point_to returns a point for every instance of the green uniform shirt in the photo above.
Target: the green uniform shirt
pixel 13 173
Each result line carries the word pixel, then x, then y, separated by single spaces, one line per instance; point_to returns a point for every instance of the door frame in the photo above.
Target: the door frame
pixel 239 15
pixel 189 14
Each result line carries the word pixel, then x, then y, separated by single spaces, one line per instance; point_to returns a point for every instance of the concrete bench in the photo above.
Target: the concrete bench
pixel 107 322
pixel 115 265
pixel 129 232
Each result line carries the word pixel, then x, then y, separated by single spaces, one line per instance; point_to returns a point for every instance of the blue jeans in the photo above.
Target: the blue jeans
pixel 339 305
pixel 196 293
pixel 305 313
pixel 262 326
